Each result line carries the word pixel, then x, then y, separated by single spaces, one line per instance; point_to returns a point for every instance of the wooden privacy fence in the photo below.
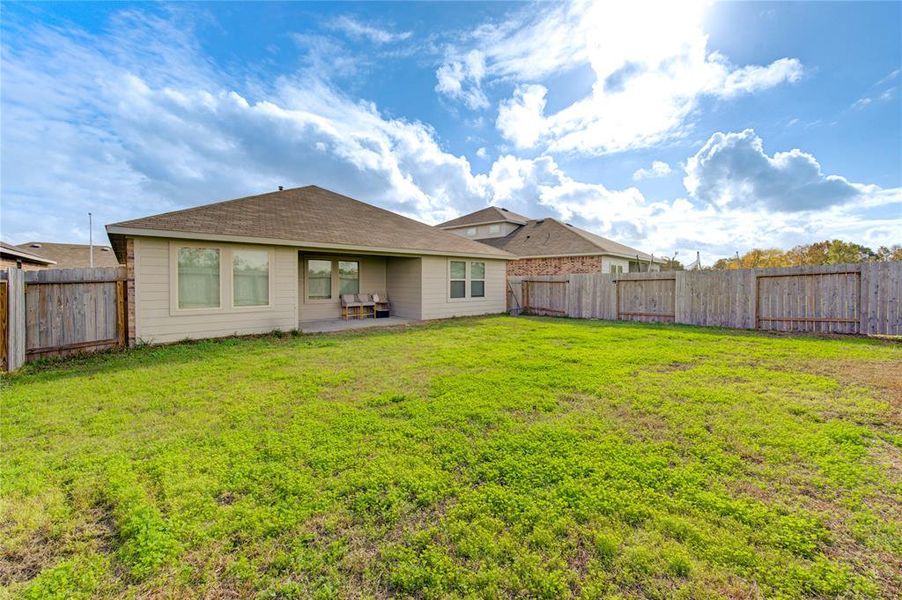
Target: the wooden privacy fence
pixel 61 311
pixel 861 298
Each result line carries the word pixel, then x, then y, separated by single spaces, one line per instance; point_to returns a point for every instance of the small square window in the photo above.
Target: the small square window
pixel 471 231
pixel 496 228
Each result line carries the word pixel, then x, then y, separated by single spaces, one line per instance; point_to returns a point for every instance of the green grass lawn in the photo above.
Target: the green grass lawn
pixel 478 457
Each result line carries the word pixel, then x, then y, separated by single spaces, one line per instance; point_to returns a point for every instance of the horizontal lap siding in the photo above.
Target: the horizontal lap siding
pixel 154 322
pixel 404 286
pixel 437 305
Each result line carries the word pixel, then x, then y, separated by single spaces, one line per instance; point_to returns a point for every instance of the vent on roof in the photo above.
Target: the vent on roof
pixel 35 245
pixel 540 221
pixel 569 224
pixel 281 188
pixel 104 249
pixel 505 210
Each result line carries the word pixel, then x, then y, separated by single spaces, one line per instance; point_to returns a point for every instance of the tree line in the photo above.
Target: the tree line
pixel 828 252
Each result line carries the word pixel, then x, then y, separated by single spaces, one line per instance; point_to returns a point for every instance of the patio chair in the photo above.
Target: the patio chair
pixel 350 307
pixel 367 304
pixel 382 305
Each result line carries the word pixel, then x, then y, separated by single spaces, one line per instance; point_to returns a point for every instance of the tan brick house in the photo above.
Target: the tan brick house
pixel 548 246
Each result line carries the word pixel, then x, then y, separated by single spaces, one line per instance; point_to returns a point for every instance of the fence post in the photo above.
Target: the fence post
pixel 121 323
pixel 15 349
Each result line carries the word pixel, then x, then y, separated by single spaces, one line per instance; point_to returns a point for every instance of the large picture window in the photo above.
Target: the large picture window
pixel 458 279
pixel 250 278
pixel 319 279
pixel 477 280
pixel 348 277
pixel 198 278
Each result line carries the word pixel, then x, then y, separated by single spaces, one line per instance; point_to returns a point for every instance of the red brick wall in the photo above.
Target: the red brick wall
pixel 553 266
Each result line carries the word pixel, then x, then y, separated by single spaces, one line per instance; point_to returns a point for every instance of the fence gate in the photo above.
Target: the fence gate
pixel 545 297
pixel 810 302
pixel 649 300
pixel 61 311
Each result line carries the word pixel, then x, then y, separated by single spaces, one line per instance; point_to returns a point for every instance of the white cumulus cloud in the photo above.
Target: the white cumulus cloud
pixel 732 169
pixel 658 168
pixel 650 61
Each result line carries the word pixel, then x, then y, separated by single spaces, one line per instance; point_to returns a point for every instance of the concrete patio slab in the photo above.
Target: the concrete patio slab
pixel 333 325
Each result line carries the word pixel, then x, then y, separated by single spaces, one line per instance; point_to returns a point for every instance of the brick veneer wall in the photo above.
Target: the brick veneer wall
pixel 130 288
pixel 553 266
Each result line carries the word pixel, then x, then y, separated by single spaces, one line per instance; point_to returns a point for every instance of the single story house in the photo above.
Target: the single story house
pixel 283 259
pixel 12 257
pixel 548 246
pixel 72 256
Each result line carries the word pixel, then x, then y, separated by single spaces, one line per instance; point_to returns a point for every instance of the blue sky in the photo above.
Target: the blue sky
pixel 710 127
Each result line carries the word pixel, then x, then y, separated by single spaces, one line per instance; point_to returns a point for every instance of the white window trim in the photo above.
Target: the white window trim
pixel 336 278
pixel 495 228
pixel 475 231
pixel 226 285
pixel 467 297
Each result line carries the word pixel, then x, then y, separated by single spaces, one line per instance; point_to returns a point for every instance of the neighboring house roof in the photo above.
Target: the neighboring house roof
pixel 72 256
pixel 550 237
pixel 16 253
pixel 490 214
pixel 309 217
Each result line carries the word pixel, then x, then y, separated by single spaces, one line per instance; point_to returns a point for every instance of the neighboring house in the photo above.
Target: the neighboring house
pixel 72 256
pixel 13 256
pixel 278 260
pixel 548 246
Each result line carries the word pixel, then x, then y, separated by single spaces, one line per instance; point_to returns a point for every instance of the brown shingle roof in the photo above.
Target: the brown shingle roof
pixel 72 256
pixel 550 237
pixel 307 216
pixel 15 252
pixel 490 214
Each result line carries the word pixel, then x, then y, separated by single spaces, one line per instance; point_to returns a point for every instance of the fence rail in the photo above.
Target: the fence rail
pixel 860 298
pixel 61 311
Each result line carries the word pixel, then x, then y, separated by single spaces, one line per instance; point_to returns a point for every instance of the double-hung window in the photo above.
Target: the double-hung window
pixel 616 269
pixel 250 278
pixel 477 280
pixel 458 273
pixel 466 279
pixel 495 228
pixel 319 279
pixel 198 278
pixel 348 277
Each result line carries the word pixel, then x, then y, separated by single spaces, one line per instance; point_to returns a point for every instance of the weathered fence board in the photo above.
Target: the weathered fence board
pixel 881 298
pixel 63 311
pixel 649 299
pixel 4 317
pixel 15 326
pixel 593 296
pixel 859 298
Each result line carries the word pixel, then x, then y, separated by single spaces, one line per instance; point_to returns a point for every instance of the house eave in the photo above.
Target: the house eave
pixel 212 237
pixel 583 254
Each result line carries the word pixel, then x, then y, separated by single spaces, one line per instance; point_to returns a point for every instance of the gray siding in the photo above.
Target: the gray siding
pixel 156 322
pixel 482 231
pixel 404 286
pixel 436 301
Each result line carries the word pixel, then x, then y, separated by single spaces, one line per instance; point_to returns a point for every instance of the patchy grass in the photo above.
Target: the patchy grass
pixel 478 457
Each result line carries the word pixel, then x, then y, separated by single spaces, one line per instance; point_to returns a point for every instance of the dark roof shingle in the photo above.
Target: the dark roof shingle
pixel 308 215
pixel 550 237
pixel 489 214
pixel 72 256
